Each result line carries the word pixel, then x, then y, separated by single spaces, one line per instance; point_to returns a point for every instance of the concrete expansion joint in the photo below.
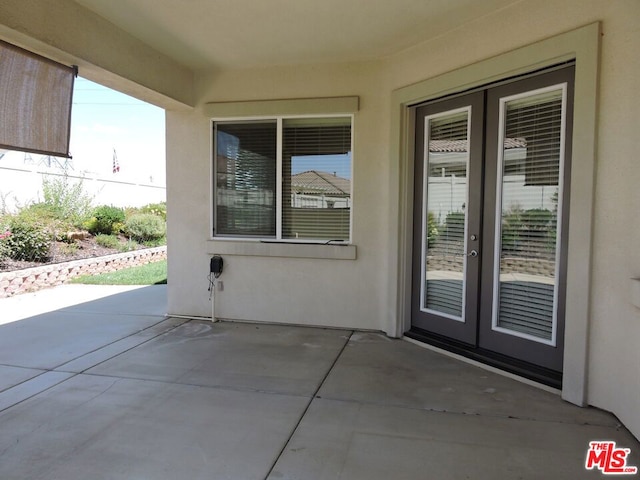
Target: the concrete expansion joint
pixel 315 395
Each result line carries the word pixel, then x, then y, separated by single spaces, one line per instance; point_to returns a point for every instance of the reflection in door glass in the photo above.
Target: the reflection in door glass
pixel 529 185
pixel 444 219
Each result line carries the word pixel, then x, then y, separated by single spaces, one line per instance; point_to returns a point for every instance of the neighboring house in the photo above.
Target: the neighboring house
pixel 536 264
pixel 314 189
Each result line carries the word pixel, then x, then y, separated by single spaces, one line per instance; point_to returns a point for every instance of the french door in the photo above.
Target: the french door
pixel 490 216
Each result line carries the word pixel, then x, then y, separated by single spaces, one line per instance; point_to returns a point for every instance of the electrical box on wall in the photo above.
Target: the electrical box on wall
pixel 216 264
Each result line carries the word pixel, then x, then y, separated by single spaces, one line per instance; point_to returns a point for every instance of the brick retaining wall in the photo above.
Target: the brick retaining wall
pixel 36 278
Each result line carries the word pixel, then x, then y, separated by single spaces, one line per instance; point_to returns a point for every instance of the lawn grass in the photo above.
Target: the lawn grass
pixel 150 274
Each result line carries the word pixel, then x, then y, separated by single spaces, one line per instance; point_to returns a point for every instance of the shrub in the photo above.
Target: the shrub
pixel 68 248
pixel 90 225
pixel 145 226
pixel 117 227
pixel 47 216
pixel 107 241
pixel 128 246
pixel 454 225
pixel 65 200
pixel 5 233
pixel 536 219
pixel 532 230
pixel 432 229
pixel 30 238
pixel 159 209
pixel 105 217
pixel 158 242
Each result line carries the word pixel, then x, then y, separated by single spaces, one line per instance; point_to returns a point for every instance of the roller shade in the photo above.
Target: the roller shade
pixel 35 102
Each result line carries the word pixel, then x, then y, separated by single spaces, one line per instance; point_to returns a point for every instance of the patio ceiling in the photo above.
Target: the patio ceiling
pixel 234 34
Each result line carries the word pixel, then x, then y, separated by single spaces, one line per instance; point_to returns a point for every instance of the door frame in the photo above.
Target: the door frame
pixel 581 45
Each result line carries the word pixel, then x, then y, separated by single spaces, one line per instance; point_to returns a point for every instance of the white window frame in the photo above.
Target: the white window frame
pixel 278 193
pixel 425 174
pixel 495 308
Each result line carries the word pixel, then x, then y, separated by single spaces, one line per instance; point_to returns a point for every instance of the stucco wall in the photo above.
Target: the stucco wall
pixel 346 293
pixel 353 293
pixel 614 355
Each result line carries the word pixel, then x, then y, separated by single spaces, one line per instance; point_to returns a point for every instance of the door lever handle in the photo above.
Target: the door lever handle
pixel 472 253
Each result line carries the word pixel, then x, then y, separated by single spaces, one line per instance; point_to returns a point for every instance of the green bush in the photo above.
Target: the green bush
pixel 536 219
pixel 158 242
pixel 432 229
pixel 5 233
pixel 454 226
pixel 511 228
pixel 104 219
pixel 107 241
pixel 46 215
pixel 145 226
pixel 117 227
pixel 30 238
pixel 128 246
pixel 5 250
pixel 68 248
pixel 159 209
pixel 66 201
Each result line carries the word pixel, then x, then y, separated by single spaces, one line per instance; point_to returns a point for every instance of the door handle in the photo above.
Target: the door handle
pixel 472 253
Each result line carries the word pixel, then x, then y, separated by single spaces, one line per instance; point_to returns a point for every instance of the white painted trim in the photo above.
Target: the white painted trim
pixel 288 249
pixel 279 178
pixel 279 119
pixel 424 240
pixel 284 107
pixel 497 244
pixel 353 120
pixel 212 177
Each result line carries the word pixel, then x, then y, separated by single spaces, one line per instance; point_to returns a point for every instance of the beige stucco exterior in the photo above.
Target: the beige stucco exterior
pixel 365 287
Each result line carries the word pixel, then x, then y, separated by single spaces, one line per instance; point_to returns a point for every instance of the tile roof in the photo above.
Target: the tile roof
pixel 314 181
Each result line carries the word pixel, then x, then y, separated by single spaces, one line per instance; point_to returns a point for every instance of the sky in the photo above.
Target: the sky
pixel 339 165
pixel 103 120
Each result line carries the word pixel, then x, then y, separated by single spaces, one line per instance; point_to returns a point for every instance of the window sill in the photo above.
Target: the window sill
pixel 290 250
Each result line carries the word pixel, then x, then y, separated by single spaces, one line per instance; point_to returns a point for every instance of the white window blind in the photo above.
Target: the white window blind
pixel 316 183
pixel 530 213
pixel 447 159
pixel 245 178
pixel 35 102
pixel 311 200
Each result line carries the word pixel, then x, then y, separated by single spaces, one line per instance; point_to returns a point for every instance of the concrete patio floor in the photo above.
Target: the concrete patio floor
pixel 104 386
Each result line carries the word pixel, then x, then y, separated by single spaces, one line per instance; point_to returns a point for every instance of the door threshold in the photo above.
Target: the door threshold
pixel 533 375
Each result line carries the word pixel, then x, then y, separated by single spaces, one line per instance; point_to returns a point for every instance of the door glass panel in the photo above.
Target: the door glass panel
pixel 446 160
pixel 529 192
